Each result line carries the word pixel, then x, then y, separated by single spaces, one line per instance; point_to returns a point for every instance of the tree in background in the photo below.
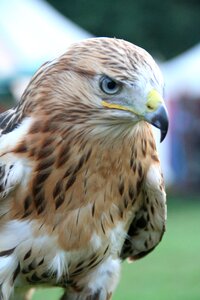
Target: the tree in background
pixel 164 28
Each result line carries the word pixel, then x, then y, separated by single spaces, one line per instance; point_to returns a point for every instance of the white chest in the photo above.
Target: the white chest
pixel 42 261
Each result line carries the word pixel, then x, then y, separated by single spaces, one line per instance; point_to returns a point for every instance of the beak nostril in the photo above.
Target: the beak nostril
pixel 150 107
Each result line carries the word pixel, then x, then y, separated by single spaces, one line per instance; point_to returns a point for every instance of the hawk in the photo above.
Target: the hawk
pixel 80 182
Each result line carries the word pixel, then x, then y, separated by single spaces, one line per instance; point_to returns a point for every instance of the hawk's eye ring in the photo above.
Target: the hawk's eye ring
pixel 109 86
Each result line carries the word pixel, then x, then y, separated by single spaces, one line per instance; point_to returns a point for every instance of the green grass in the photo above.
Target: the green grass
pixel 172 271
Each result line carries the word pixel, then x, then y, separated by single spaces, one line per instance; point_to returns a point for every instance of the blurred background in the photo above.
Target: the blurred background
pixel 34 31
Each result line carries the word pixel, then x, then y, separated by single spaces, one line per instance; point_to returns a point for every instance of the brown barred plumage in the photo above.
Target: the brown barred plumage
pixel 80 181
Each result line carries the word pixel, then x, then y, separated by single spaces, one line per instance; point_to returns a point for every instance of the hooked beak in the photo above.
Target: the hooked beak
pixel 157 113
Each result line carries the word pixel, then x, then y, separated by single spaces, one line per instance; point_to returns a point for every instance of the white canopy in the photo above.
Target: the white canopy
pixel 182 73
pixel 32 32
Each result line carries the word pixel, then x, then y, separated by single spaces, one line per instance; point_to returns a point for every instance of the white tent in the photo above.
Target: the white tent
pixel 32 32
pixel 182 78
pixel 182 73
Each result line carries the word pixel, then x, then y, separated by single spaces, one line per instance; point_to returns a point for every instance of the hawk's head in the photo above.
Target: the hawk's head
pixel 110 76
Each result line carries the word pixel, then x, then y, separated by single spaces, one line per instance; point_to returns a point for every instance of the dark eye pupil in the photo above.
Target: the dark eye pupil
pixel 111 85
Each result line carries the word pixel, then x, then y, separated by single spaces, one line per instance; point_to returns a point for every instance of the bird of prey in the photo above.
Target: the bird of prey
pixel 81 188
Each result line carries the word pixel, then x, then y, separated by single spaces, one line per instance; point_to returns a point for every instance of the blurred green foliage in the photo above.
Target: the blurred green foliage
pixel 164 28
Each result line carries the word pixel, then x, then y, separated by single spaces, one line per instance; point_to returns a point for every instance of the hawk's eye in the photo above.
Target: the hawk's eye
pixel 109 86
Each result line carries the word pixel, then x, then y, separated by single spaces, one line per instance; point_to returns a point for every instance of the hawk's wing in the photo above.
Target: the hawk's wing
pixel 148 225
pixel 8 121
pixel 11 170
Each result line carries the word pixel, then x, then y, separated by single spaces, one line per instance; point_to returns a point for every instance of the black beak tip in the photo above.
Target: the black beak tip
pixel 163 134
pixel 160 120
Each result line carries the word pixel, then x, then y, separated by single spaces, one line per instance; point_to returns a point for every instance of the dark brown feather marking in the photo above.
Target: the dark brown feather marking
pixel 155 157
pixel 68 172
pixel 135 153
pixel 45 275
pixel 140 173
pixel 63 156
pixel 80 164
pixel 92 260
pixel 35 278
pixel 44 152
pixel 40 202
pixel 121 211
pixel 131 192
pixel 152 210
pixel 106 250
pixel 49 126
pixel 7 252
pixel 59 200
pixel 70 182
pixel 36 189
pixel 138 186
pixel 152 145
pixel 41 262
pixel 97 263
pixel 26 214
pixel 28 254
pixel 45 164
pixel 48 141
pixel 77 271
pixel 134 167
pixel 141 222
pixel 32 152
pixel 121 188
pixel 144 147
pixel 2 187
pixel 111 217
pixel 57 189
pixel 27 203
pixel 41 208
pixel 133 230
pixel 102 226
pixel 12 125
pixel 93 209
pixel 31 266
pixel 62 160
pixel 41 177
pixel 80 263
pixel 2 172
pixel 141 254
pixel 88 155
pixel 131 162
pixel 5 117
pixel 36 127
pixel 21 148
pixel 25 271
pixel 16 272
pixel 125 201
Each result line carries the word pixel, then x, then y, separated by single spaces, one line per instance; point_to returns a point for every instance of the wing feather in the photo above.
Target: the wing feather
pixel 11 167
pixel 9 120
pixel 148 225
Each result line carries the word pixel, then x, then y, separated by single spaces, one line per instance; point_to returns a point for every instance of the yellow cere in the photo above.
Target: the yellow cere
pixel 154 99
